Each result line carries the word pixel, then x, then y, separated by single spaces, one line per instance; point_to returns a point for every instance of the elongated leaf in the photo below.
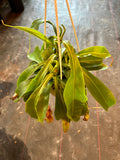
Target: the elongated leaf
pixel 32 31
pixel 89 59
pixel 27 73
pixel 38 22
pixel 21 89
pixel 74 92
pixel 60 33
pixel 64 30
pixel 37 104
pixel 94 67
pixel 41 75
pixel 97 51
pixel 60 107
pixel 98 90
pixel 42 106
pixel 36 55
pixel 26 96
pixel 91 63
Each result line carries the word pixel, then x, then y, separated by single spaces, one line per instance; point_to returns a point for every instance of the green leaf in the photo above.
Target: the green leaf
pixel 21 89
pixel 42 106
pixel 91 63
pixel 89 59
pixel 96 51
pixel 31 31
pixel 46 53
pixel 38 22
pixel 66 73
pixel 40 75
pixel 33 63
pixel 74 92
pixel 60 33
pixel 60 107
pixel 64 30
pixel 35 55
pixel 98 90
pixel 37 104
pixel 95 67
pixel 26 96
pixel 27 73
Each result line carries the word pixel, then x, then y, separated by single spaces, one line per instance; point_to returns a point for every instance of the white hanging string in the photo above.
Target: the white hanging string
pixel 45 13
pixel 59 48
pixel 67 3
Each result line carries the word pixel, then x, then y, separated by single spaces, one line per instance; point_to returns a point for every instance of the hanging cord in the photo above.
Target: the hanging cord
pixel 67 3
pixel 25 139
pixel 98 124
pixel 61 138
pixel 45 13
pixel 57 25
pixel 60 61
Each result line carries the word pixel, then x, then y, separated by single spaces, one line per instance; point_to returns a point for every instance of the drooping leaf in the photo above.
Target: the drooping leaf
pixel 89 59
pixel 40 75
pixel 60 107
pixel 74 92
pixel 91 63
pixel 26 96
pixel 98 90
pixel 31 31
pixel 96 51
pixel 37 104
pixel 36 55
pixel 21 89
pixel 27 73
pixel 94 67
pixel 43 101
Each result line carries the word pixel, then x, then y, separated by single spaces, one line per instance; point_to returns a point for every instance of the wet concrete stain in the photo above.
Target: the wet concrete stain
pixel 118 39
pixel 5 88
pixel 12 148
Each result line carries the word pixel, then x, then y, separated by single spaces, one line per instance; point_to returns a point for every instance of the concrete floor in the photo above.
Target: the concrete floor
pixel 23 138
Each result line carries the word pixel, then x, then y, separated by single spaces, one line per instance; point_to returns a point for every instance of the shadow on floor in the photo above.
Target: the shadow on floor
pixel 12 148
pixel 4 90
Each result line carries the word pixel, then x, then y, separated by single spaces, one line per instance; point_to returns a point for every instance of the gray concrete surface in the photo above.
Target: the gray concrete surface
pixel 97 22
